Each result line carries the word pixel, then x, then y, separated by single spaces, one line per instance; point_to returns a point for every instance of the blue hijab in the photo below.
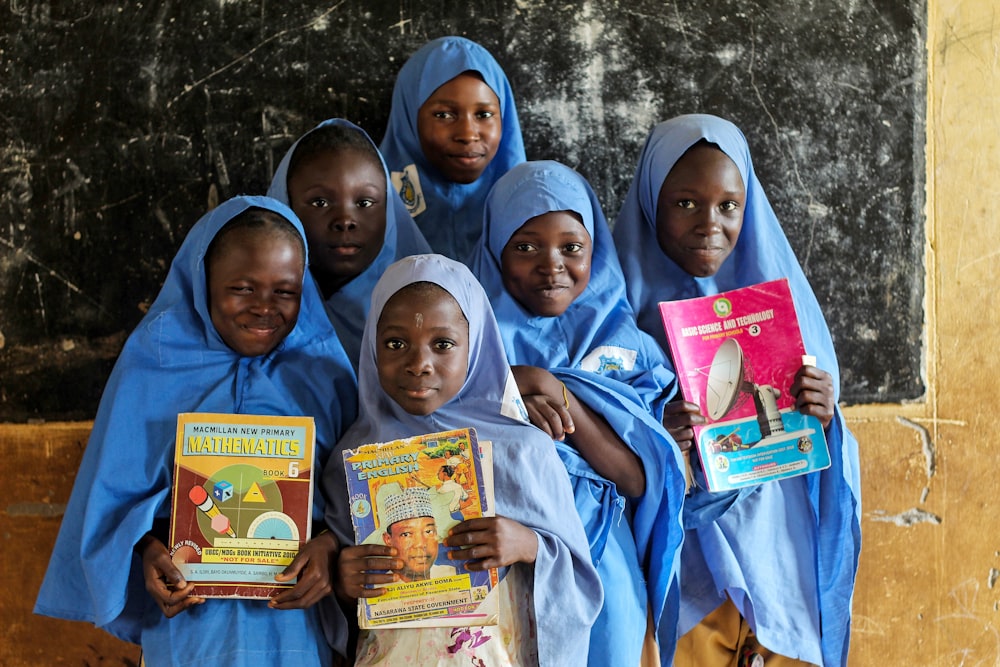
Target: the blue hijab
pixel 531 484
pixel 597 350
pixel 449 214
pixel 348 306
pixel 175 361
pixel 762 253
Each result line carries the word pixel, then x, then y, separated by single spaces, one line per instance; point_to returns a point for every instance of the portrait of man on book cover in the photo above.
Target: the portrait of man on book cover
pixel 411 527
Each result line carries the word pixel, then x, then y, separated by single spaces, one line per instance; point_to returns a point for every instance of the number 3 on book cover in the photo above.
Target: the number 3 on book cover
pixel 242 500
pixel 736 355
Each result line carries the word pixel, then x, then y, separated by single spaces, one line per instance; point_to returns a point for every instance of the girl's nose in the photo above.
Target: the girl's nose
pixel 551 262
pixel 418 362
pixel 466 128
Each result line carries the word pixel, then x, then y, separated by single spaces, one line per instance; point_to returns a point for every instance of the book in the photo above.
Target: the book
pixel 736 354
pixel 242 500
pixel 409 493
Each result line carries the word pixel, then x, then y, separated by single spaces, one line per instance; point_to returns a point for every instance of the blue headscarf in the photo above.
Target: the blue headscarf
pixel 175 361
pixel 452 219
pixel 531 484
pixel 348 306
pixel 762 253
pixel 597 350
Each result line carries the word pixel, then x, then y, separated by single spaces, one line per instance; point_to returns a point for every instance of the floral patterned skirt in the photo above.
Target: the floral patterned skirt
pixel 510 643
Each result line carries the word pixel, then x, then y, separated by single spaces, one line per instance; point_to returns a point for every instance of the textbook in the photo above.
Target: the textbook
pixel 736 355
pixel 242 500
pixel 409 493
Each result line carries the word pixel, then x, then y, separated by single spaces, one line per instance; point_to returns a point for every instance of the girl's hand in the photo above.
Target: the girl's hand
pixel 362 567
pixel 678 418
pixel 312 565
pixel 544 400
pixel 164 581
pixel 813 392
pixel 491 542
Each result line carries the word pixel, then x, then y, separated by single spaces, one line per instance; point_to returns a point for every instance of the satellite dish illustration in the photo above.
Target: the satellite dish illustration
pixel 730 384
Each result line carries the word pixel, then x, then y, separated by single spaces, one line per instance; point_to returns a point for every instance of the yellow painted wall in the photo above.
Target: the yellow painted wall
pixel 926 593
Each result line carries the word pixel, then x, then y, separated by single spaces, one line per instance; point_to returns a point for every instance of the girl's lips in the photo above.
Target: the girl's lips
pixel 345 250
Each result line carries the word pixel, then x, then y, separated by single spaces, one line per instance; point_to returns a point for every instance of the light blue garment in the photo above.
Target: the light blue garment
pixel 531 485
pixel 597 350
pixel 452 220
pixel 175 361
pixel 745 552
pixel 348 306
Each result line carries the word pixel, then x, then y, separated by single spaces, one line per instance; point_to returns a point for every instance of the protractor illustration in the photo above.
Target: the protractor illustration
pixel 273 526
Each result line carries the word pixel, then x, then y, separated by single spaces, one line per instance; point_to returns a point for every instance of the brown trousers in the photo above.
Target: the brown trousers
pixel 719 640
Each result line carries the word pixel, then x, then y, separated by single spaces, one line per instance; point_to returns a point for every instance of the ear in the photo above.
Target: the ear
pixel 385 538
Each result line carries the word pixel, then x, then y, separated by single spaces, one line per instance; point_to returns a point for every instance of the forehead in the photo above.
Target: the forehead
pixel 554 222
pixel 427 299
pixel 465 88
pixel 338 160
pixel 270 242
pixel 706 164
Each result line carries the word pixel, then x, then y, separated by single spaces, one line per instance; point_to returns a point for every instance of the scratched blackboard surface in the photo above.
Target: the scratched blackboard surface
pixel 121 123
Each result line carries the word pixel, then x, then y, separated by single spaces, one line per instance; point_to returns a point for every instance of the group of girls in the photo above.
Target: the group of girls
pixel 533 323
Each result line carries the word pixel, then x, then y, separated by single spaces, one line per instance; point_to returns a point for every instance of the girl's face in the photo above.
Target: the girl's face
pixel 459 127
pixel 422 349
pixel 254 290
pixel 340 196
pixel 546 263
pixel 699 212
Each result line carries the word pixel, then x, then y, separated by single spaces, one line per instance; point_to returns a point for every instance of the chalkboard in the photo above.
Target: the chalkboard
pixel 121 123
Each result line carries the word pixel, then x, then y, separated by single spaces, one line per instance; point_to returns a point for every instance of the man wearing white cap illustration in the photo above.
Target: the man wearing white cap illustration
pixel 412 530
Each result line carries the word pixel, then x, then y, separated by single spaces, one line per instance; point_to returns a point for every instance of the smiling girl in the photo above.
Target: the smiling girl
pixel 432 360
pixel 593 382
pixel 335 180
pixel 453 131
pixel 696 222
pixel 235 329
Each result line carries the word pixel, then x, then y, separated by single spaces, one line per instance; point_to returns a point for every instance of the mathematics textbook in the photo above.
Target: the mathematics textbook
pixel 242 500
pixel 407 494
pixel 736 355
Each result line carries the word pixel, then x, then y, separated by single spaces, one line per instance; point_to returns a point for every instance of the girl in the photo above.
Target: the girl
pixel 432 360
pixel 234 329
pixel 696 222
pixel 335 180
pixel 453 131
pixel 592 381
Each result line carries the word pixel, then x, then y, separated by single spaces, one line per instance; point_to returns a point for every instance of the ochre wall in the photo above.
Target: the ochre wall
pixel 926 591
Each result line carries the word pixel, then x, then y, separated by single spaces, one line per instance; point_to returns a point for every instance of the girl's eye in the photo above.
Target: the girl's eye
pixel 319 202
pixel 442 114
pixel 729 205
pixel 366 203
pixel 685 203
pixel 523 247
pixel 573 247
pixel 286 293
pixel 241 289
pixel 444 344
pixel 394 344
pixel 485 114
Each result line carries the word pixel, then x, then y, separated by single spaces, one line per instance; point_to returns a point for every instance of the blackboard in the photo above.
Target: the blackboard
pixel 121 123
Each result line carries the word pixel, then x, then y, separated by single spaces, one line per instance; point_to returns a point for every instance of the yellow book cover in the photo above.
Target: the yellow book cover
pixel 409 493
pixel 242 500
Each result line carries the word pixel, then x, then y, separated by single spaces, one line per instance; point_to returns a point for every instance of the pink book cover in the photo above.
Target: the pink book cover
pixel 736 355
